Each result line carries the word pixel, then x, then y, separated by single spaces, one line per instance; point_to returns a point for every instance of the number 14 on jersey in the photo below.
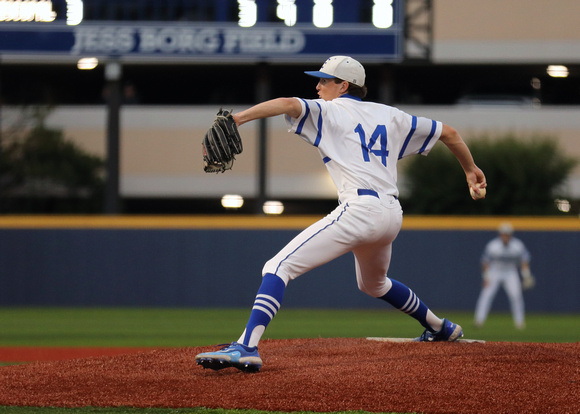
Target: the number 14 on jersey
pixel 376 145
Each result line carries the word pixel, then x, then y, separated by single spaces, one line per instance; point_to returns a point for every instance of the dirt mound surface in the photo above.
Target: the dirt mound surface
pixel 337 374
pixel 53 353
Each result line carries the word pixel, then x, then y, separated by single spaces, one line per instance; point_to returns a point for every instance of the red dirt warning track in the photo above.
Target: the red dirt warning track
pixel 337 374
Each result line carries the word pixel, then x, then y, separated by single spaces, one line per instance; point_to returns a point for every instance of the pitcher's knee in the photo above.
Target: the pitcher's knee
pixel 278 272
pixel 376 290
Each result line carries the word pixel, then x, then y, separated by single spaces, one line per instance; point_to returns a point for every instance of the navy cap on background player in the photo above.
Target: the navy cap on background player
pixel 341 67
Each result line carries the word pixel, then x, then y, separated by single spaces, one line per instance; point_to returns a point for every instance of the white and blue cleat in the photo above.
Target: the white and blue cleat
pixel 449 332
pixel 235 355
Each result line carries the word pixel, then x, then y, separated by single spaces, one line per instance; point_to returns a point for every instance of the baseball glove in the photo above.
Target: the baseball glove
pixel 221 143
pixel 528 280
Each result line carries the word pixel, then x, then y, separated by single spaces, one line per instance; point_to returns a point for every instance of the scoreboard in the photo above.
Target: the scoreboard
pixel 201 30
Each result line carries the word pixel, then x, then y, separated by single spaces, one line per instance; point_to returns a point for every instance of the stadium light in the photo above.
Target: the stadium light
pixel 558 71
pixel 322 13
pixel 383 16
pixel 248 13
pixel 273 207
pixel 286 10
pixel 232 201
pixel 88 63
pixel 74 12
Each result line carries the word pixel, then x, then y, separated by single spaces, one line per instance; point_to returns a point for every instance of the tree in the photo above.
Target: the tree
pixel 523 178
pixel 43 172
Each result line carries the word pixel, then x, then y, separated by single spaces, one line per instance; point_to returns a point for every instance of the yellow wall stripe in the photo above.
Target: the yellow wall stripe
pixel 279 222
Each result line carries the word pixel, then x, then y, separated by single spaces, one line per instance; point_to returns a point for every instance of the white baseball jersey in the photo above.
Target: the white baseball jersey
pixel 503 258
pixel 361 142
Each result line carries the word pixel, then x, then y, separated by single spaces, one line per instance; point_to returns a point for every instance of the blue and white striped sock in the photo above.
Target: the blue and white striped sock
pixel 267 303
pixel 404 299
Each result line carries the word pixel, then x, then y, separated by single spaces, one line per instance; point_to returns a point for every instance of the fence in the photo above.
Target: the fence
pixel 217 262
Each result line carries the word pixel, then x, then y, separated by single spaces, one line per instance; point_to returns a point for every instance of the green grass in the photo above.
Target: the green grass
pixel 152 327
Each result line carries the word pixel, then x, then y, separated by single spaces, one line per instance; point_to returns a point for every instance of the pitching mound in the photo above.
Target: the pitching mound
pixel 317 375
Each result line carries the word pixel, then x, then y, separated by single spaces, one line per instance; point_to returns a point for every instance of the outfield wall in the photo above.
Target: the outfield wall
pixel 217 261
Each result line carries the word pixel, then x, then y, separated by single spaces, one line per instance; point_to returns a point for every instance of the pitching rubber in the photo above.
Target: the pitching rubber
pixel 465 341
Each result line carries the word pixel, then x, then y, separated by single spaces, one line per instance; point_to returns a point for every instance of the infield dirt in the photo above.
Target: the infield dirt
pixel 336 374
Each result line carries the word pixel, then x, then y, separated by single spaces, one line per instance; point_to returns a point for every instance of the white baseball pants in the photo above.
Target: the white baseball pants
pixel 513 288
pixel 366 225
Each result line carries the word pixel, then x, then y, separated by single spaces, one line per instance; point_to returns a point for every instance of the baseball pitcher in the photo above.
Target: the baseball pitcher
pixel 359 143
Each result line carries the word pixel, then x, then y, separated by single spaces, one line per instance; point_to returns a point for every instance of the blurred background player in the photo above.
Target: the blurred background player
pixel 504 257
